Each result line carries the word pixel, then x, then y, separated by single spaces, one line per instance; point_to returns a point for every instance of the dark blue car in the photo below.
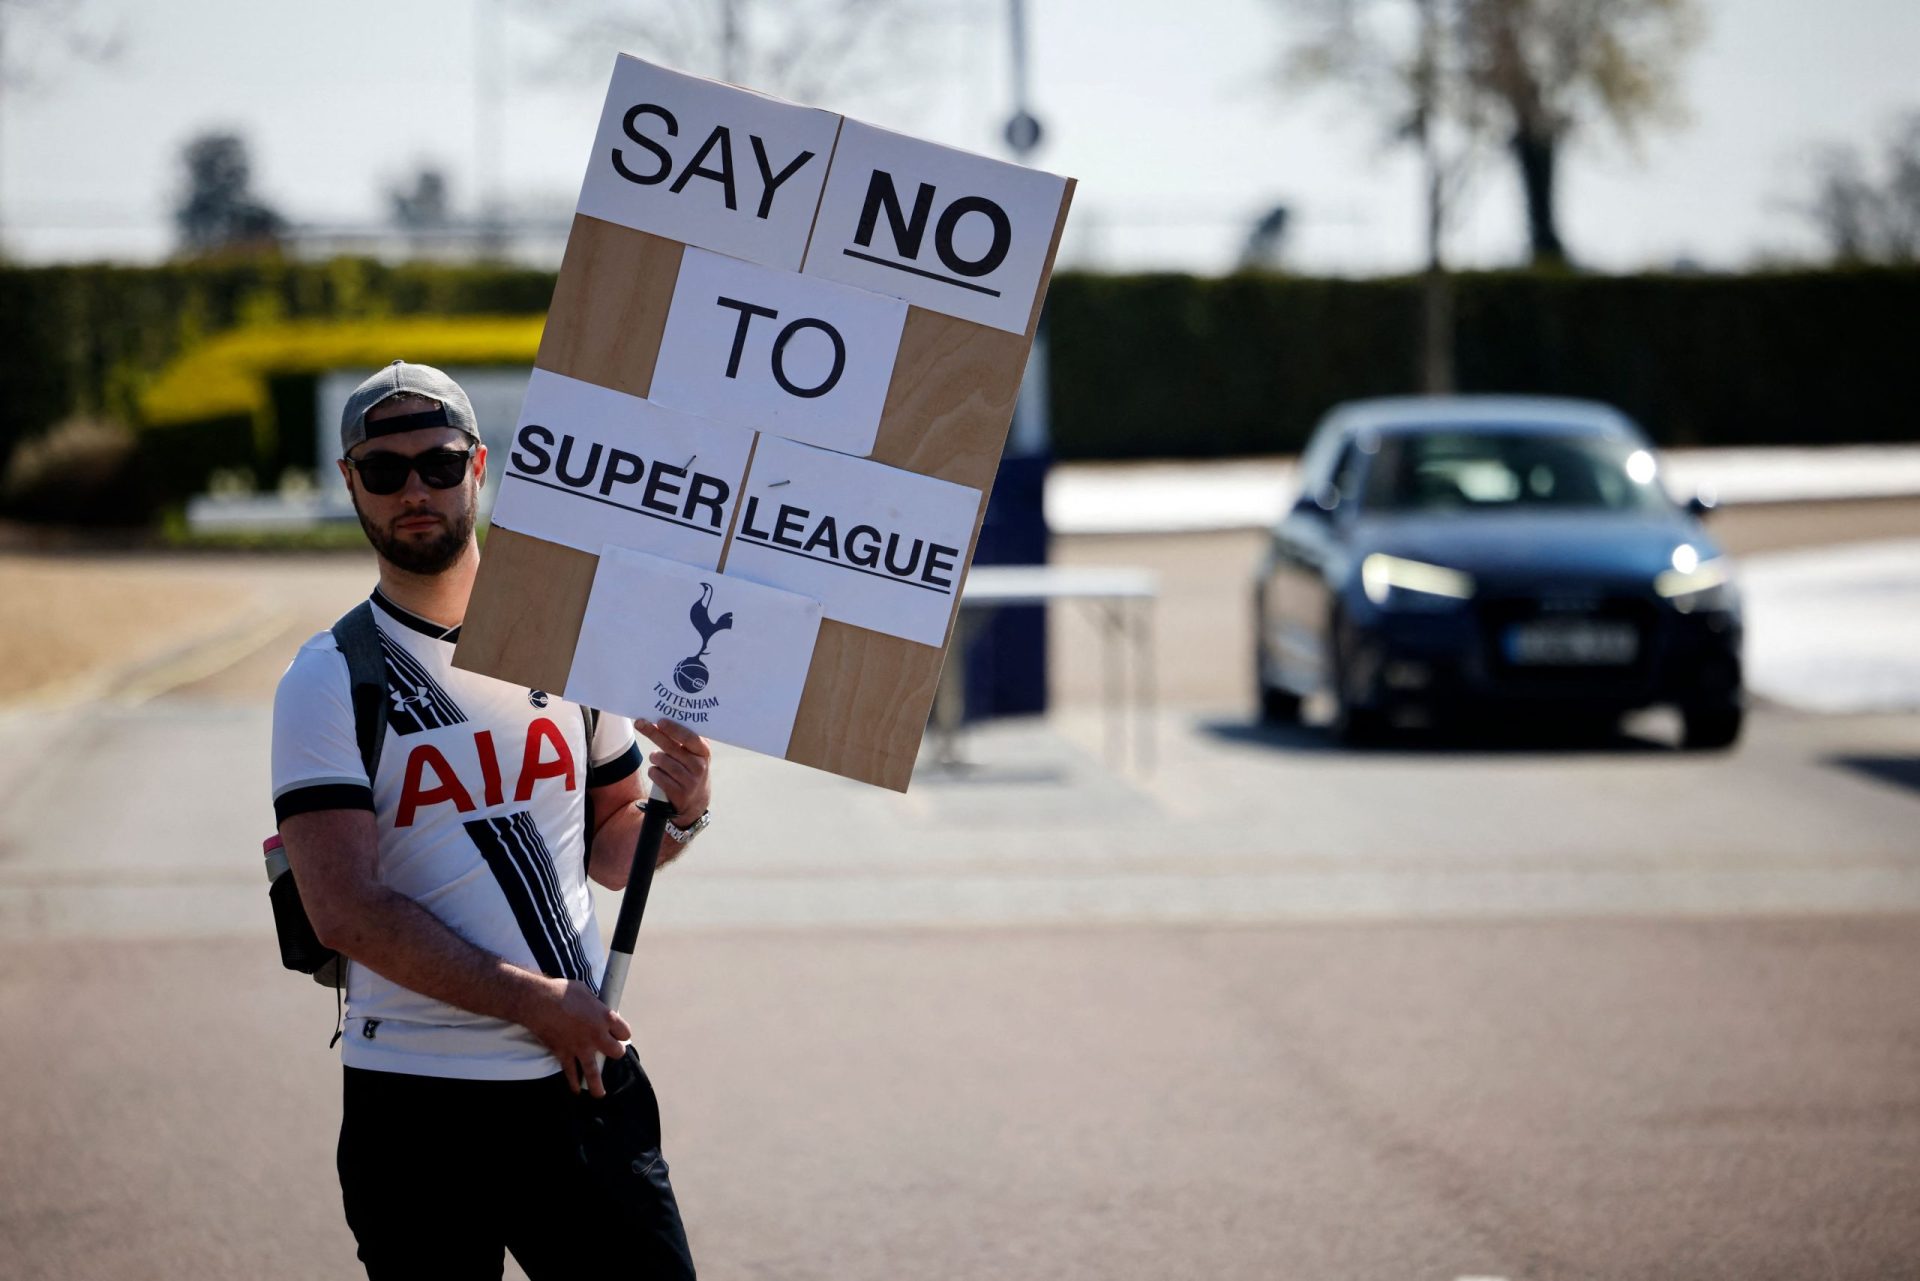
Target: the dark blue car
pixel 1465 557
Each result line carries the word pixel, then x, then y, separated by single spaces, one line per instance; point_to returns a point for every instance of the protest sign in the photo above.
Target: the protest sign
pixel 722 655
pixel 707 164
pixel 677 288
pixel 879 547
pixel 801 358
pixel 590 467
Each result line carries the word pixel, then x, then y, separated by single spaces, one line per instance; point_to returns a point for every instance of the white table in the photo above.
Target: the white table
pixel 1121 601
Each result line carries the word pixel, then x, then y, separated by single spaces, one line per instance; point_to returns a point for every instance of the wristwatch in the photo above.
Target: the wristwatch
pixel 681 835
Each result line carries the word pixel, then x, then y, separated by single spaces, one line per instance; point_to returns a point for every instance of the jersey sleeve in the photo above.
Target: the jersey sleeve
pixel 316 755
pixel 614 752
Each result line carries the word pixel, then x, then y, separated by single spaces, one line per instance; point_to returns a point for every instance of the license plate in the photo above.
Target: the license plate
pixel 1572 643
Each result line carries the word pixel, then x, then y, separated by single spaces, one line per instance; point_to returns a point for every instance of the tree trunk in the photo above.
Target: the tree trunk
pixel 1436 290
pixel 1535 152
pixel 1436 332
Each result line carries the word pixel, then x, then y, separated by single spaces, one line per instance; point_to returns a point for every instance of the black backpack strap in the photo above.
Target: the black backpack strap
pixel 358 636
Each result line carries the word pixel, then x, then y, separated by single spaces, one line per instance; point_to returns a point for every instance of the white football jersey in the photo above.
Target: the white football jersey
pixel 482 815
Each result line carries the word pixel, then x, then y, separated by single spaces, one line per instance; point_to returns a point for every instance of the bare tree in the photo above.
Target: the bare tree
pixel 1557 66
pixel 1539 71
pixel 1405 56
pixel 1867 217
pixel 797 49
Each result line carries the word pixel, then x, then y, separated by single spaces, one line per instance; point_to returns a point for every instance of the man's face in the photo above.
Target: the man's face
pixel 417 528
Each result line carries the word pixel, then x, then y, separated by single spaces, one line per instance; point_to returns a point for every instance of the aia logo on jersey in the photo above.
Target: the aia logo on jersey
pixel 538 697
pixel 431 779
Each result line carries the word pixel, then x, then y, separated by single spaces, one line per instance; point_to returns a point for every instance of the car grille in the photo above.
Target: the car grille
pixel 1498 616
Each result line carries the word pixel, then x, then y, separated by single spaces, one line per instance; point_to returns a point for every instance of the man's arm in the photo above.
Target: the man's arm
pixel 681 767
pixel 332 853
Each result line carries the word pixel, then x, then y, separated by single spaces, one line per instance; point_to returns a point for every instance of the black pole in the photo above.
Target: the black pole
pixel 633 904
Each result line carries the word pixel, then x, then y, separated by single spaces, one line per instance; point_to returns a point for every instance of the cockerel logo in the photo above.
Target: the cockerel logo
pixel 691 674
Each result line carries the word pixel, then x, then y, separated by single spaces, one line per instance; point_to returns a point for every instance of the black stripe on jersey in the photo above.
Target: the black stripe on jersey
pixel 616 769
pixel 321 796
pixel 524 870
pixel 407 618
pixel 415 700
pixel 540 859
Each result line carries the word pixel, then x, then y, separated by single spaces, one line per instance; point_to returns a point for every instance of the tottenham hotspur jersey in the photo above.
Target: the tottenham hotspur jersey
pixel 480 805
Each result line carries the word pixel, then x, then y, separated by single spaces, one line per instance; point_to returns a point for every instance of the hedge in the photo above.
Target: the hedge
pixel 1142 366
pixel 1175 366
pixel 92 339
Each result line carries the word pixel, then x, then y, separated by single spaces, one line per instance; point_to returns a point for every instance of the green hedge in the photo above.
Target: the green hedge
pixel 89 339
pixel 1174 366
pixel 1142 366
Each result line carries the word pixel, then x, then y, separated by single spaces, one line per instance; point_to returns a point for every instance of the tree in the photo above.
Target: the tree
pixel 423 203
pixel 219 210
pixel 1869 219
pixel 1541 72
pixel 1406 56
pixel 1557 65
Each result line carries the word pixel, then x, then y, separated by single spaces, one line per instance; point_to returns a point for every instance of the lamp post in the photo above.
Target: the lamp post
pixel 1006 672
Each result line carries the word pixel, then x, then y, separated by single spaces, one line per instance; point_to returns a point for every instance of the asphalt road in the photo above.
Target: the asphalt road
pixel 1521 1010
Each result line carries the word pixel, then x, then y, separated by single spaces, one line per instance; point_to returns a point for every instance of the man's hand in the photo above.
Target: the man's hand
pixel 681 768
pixel 577 1027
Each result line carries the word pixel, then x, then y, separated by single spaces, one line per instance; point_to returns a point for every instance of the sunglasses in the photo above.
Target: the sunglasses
pixel 384 472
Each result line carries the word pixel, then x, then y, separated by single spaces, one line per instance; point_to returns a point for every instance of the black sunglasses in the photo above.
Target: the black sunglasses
pixel 385 472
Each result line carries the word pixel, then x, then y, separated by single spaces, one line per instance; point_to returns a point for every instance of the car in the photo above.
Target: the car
pixel 1472 557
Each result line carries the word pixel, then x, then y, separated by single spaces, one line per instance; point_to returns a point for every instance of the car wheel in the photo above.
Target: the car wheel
pixel 1706 729
pixel 1354 725
pixel 1279 706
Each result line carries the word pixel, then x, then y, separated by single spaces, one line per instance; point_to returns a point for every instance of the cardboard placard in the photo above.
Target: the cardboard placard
pixel 591 467
pixel 708 164
pixel 879 547
pixel 944 229
pixel 725 656
pixel 802 358
pixel 552 609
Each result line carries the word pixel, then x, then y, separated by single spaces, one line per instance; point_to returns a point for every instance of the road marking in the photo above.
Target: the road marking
pixel 200 662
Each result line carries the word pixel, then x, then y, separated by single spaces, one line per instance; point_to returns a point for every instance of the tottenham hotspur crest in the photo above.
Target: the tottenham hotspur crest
pixel 690 674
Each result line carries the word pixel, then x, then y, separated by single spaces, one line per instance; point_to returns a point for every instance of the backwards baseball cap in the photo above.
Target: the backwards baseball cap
pixel 455 409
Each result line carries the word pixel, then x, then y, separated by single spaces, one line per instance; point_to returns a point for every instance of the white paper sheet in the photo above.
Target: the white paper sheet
pixel 589 466
pixel 723 656
pixel 794 355
pixel 879 547
pixel 705 163
pixel 944 229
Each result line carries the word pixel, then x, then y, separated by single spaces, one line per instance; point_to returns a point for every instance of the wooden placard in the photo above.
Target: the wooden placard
pixel 946 414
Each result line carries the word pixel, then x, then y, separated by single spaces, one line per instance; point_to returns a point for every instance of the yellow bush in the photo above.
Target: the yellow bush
pixel 227 376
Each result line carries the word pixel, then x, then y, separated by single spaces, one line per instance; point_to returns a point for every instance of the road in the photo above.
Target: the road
pixel 1520 1010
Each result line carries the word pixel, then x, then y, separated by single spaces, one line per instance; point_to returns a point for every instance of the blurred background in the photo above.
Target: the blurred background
pixel 1431 782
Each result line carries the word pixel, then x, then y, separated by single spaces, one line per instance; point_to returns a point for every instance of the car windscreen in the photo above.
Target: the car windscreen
pixel 1469 470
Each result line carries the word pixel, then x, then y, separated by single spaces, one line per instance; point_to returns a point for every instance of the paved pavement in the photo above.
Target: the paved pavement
pixel 1527 1010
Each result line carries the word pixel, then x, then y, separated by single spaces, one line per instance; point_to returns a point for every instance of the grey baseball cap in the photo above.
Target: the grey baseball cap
pixel 455 410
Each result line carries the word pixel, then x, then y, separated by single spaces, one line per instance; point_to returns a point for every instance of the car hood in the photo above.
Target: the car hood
pixel 1635 545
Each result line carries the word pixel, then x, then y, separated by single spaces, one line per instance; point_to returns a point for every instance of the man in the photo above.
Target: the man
pixel 455 884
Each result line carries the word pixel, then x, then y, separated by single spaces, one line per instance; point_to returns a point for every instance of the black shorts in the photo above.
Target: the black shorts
pixel 441 1176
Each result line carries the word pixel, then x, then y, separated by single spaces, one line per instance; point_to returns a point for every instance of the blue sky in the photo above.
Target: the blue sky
pixel 1164 112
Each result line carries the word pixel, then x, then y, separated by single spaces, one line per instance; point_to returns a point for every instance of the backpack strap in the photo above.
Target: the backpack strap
pixel 358 636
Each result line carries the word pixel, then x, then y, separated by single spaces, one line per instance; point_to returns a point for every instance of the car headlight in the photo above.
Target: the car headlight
pixel 1393 582
pixel 1706 586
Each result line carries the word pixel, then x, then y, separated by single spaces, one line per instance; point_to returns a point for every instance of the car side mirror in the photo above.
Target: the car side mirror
pixel 1320 504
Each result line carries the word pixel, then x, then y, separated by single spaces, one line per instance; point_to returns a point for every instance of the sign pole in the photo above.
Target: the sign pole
pixel 633 904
